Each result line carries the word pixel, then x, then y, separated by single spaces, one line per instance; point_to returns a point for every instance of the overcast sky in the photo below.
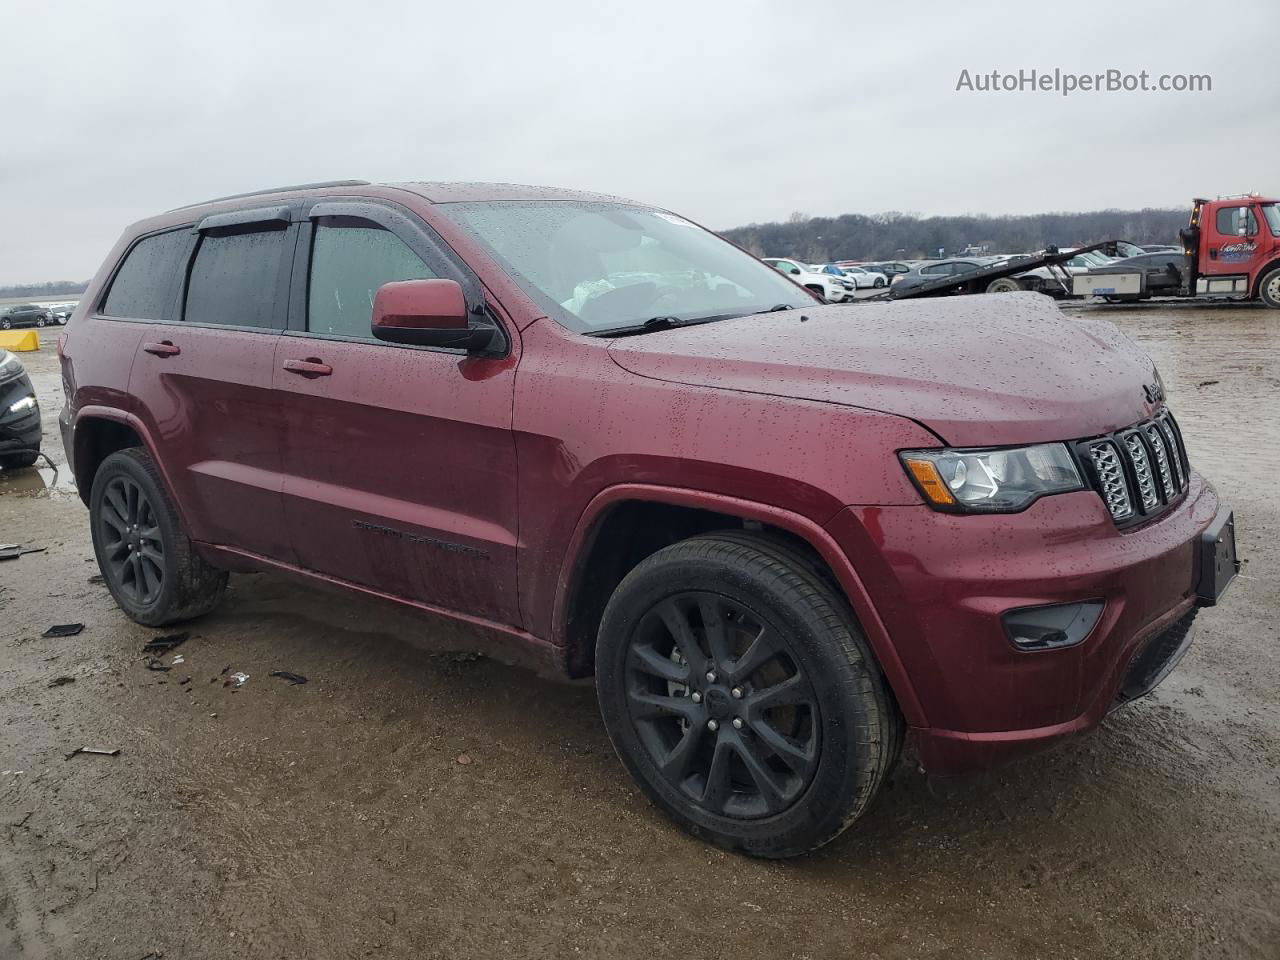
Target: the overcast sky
pixel 729 112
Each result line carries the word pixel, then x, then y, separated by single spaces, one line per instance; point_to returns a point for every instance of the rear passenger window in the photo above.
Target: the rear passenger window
pixel 350 260
pixel 234 277
pixel 142 285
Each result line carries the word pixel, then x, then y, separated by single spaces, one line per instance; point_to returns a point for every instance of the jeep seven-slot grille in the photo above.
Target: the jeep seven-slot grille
pixel 1138 471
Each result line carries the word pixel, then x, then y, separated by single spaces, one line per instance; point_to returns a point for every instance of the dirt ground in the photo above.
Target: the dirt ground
pixel 413 800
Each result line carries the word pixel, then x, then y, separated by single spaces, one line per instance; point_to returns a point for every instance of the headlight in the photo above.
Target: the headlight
pixel 26 403
pixel 991 481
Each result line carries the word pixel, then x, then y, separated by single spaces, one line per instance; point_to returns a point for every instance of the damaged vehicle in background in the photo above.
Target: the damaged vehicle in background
pixel 830 287
pixel 19 415
pixel 782 536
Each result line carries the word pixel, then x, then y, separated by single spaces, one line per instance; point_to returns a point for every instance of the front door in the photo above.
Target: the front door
pixel 1231 241
pixel 399 460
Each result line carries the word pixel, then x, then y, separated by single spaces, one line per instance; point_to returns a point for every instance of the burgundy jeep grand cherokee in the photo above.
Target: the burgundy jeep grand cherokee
pixel 781 534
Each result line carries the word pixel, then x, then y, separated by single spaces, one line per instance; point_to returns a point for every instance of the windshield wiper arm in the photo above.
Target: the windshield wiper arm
pixel 652 324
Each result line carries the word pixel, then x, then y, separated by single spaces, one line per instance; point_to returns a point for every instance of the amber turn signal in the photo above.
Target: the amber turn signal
pixel 930 482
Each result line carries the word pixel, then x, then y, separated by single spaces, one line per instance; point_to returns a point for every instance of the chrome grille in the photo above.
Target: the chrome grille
pixel 1142 470
pixel 1163 469
pixel 1111 481
pixel 1138 471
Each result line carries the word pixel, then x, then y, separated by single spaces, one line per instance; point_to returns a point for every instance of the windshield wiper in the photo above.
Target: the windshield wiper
pixel 780 306
pixel 656 323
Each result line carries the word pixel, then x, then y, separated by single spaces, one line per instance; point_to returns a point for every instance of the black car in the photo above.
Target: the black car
pixel 1165 272
pixel 888 267
pixel 19 415
pixel 23 315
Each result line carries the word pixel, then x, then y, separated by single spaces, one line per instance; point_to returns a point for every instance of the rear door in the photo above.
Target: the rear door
pixel 204 380
pixel 399 460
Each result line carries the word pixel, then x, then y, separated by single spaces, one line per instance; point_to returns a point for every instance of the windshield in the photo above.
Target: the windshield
pixel 602 266
pixel 1272 213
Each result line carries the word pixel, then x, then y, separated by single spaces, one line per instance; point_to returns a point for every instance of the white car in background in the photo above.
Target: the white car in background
pixel 829 287
pixel 865 279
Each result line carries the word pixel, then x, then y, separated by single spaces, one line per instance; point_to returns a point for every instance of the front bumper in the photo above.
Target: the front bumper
pixel 940 583
pixel 18 431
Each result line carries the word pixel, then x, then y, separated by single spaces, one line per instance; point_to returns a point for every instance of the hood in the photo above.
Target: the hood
pixel 976 370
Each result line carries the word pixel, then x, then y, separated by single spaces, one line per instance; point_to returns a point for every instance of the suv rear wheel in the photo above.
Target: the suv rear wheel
pixel 145 557
pixel 740 693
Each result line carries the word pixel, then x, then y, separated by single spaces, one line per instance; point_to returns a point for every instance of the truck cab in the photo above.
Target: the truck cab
pixel 1234 246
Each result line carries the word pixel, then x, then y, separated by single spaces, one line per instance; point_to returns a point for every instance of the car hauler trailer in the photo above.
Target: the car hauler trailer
pixel 1231 250
pixel 997 278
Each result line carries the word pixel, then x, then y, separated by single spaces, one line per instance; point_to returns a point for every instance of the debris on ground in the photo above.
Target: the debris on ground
pixel 294 678
pixel 12 551
pixel 98 579
pixel 179 658
pixel 165 643
pixel 1208 383
pixel 63 630
pixel 235 680
pixel 184 681
pixel 155 663
pixel 96 751
pixel 61 681
pixel 464 759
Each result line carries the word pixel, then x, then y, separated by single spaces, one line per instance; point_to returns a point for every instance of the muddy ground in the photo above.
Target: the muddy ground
pixel 412 801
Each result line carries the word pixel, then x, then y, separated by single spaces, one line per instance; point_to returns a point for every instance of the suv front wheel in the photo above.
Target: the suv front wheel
pixel 145 557
pixel 740 693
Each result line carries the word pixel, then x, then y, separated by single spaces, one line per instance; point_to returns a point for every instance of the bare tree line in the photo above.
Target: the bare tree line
pixel 897 235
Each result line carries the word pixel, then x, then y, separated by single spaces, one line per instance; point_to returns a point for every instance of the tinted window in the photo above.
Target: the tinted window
pixel 350 260
pixel 938 268
pixel 1230 221
pixel 142 285
pixel 233 280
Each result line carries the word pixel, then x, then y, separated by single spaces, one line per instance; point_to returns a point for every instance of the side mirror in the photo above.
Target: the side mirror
pixel 427 313
pixel 1242 216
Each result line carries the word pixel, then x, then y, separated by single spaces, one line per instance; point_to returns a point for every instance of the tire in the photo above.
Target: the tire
pixel 1269 288
pixel 880 282
pixel 816 696
pixel 1004 285
pixel 40 321
pixel 165 581
pixel 19 461
pixel 6 324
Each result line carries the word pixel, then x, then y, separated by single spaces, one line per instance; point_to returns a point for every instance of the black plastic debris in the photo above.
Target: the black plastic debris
pixel 61 681
pixel 294 678
pixel 12 551
pixel 63 630
pixel 98 579
pixel 155 663
pixel 165 643
pixel 96 751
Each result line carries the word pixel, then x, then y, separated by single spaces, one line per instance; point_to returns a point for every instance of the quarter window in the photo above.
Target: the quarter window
pixel 144 281
pixel 350 259
pixel 234 277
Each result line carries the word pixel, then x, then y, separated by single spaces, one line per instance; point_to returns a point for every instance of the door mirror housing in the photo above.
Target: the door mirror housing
pixel 1243 219
pixel 427 313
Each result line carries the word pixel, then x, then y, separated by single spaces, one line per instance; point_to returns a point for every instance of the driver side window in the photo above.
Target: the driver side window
pixel 350 259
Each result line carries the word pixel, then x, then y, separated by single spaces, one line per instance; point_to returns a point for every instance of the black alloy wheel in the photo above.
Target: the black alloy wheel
pixel 729 718
pixel 133 550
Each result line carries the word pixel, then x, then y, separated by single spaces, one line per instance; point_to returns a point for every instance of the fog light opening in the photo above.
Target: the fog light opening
pixel 1053 626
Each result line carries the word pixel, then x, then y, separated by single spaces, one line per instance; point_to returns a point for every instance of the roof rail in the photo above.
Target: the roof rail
pixel 1238 196
pixel 259 193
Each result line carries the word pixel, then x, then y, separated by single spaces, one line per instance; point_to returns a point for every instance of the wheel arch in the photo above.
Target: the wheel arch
pixel 604 547
pixel 96 433
pixel 1269 267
